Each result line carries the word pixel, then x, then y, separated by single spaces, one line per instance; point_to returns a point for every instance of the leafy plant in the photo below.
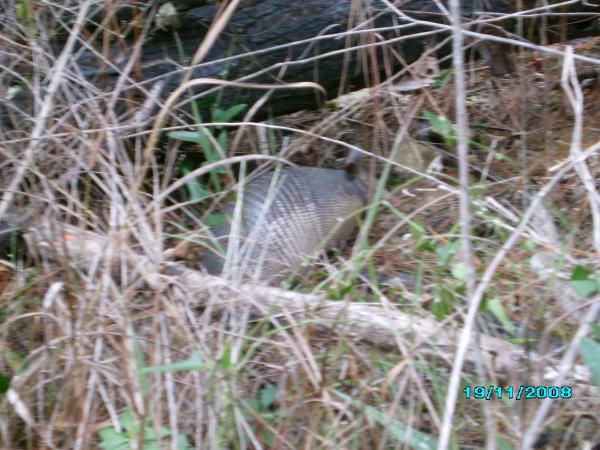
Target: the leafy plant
pixel 262 406
pixel 111 439
pixel 194 363
pixel 584 282
pixel 447 289
pixel 399 432
pixel 441 126
pixel 26 19
pixel 210 141
pixel 495 306
pixel 213 141
pixel 131 428
pixel 4 383
pixel 17 365
pixel 442 79
pixel 267 395
pixel 446 129
pixel 590 352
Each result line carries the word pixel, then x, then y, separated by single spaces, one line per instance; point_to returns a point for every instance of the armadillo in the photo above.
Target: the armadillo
pixel 287 217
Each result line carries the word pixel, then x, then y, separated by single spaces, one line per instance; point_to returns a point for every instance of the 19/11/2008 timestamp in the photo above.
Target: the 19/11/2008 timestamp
pixel 523 392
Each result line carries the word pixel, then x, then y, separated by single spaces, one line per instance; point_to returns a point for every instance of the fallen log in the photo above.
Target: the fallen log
pixel 270 41
pixel 330 42
pixel 389 329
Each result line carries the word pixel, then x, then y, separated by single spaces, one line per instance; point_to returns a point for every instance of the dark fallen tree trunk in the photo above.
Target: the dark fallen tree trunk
pixel 275 41
pixel 271 41
pixel 299 41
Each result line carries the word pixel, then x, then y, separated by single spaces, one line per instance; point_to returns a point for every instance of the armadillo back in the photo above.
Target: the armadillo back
pixel 288 216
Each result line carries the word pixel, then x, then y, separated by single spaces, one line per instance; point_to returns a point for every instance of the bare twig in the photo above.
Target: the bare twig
pixel 465 221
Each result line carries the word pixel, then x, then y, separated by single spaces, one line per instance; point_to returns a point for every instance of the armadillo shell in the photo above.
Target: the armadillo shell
pixel 287 217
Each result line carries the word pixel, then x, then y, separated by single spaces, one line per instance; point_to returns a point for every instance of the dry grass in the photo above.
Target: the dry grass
pixel 101 328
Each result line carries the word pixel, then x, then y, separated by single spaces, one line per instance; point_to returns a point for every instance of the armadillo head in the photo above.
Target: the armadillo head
pixel 357 175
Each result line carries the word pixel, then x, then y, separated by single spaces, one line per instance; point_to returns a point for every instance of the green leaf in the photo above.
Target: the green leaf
pixel 496 307
pixel 194 363
pixel 128 423
pixel 529 244
pixel 441 126
pixel 22 10
pixel 442 305
pixel 183 443
pixel 195 189
pixel 225 360
pixel 459 271
pixel 164 432
pixel 596 330
pixel 268 437
pixel 581 273
pixel 522 341
pixel 225 115
pixel 417 231
pixel 268 394
pixel 446 252
pixel 590 352
pixel 215 219
pixel 214 157
pixel 140 361
pixel 206 102
pixel 222 140
pixel 426 245
pixel 152 445
pixel 4 383
pixel 111 440
pixel 150 433
pixel 504 444
pixel 585 288
pixel 188 136
pixel 582 282
pixel 254 404
pixel 199 136
pixel 442 79
pixel 14 360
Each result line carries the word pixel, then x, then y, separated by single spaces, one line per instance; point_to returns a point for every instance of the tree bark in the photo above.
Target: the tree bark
pixel 291 41
pixel 275 41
